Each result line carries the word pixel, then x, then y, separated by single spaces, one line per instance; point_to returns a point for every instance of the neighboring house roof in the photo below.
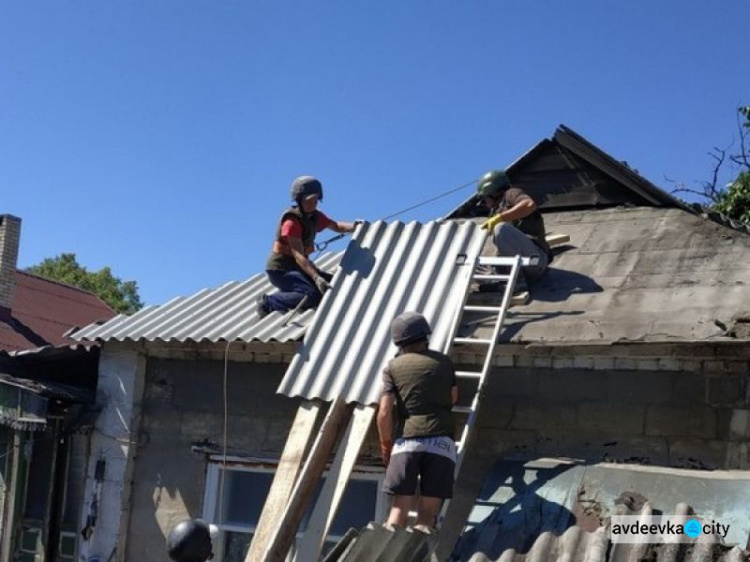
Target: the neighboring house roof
pixel 638 274
pixel 548 509
pixel 43 311
pixel 386 270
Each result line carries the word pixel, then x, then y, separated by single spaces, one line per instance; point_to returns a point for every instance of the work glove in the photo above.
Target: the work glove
pixel 321 284
pixel 492 222
pixel 385 452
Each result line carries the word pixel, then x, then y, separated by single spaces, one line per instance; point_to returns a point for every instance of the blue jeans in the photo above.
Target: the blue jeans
pixel 293 286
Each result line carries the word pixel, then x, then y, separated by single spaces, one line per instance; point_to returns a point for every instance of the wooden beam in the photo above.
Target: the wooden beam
pixel 297 445
pixel 338 477
pixel 556 239
pixel 285 527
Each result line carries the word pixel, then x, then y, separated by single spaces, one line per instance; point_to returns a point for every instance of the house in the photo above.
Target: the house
pixel 47 392
pixel 634 350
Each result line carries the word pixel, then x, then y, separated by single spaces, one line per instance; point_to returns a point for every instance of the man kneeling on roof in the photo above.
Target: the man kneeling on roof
pixel 289 268
pixel 516 224
pixel 419 390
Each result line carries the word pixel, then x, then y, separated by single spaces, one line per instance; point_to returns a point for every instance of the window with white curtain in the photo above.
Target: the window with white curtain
pixel 236 511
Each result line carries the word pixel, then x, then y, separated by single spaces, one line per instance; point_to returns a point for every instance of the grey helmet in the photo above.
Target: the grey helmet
pixel 409 327
pixel 305 186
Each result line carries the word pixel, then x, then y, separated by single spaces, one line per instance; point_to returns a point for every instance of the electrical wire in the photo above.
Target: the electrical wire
pixel 323 245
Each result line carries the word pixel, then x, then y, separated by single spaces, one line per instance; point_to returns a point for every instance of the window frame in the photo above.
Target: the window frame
pixel 211 494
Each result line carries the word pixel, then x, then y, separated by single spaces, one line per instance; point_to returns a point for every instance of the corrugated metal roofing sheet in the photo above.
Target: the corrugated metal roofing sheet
pixel 388 268
pixel 227 313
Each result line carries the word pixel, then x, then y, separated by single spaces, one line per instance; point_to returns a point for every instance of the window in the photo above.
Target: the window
pixel 245 491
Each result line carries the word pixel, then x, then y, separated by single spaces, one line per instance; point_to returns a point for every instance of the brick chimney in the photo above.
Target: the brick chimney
pixel 10 236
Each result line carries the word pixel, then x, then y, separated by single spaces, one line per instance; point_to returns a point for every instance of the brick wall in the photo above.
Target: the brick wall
pixel 10 235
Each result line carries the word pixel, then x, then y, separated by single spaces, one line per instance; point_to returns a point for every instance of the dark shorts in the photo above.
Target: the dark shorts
pixel 434 473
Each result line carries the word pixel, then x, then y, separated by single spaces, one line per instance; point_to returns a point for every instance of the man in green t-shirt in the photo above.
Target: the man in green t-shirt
pixel 415 423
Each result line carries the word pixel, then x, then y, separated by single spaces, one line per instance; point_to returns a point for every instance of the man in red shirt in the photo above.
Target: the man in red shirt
pixel 289 267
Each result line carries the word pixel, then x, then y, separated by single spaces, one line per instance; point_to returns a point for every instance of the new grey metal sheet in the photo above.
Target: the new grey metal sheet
pixel 387 269
pixel 226 313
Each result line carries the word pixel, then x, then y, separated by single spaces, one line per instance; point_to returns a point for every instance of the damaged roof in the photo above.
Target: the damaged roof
pixel 640 266
pixel 555 509
pixel 638 274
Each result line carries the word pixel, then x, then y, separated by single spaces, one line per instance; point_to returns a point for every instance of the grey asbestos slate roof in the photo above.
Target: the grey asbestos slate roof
pixel 227 313
pixel 386 270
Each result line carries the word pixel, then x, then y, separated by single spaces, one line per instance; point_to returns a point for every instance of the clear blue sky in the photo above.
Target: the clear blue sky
pixel 160 137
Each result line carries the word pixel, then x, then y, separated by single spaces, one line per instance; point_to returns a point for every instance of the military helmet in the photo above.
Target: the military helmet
pixel 409 327
pixel 493 184
pixel 190 541
pixel 305 186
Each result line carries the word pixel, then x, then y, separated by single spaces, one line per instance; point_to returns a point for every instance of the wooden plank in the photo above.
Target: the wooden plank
pixel 295 449
pixel 328 502
pixel 286 525
pixel 556 239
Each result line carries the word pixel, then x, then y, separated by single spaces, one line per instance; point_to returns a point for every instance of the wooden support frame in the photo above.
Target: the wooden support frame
pixel 285 527
pixel 339 476
pixel 290 464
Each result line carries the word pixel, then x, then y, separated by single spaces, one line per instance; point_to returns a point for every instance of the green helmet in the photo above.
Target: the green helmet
pixel 493 184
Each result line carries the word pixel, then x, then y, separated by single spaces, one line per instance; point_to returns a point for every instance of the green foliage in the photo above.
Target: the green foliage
pixel 121 295
pixel 735 201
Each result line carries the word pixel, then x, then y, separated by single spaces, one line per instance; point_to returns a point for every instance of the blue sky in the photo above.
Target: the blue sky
pixel 160 137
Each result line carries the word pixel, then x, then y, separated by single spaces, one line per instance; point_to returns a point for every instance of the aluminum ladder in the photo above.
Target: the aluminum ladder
pixel 489 344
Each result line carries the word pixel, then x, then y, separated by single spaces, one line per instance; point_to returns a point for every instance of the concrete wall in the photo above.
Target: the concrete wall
pixel 119 392
pixel 182 406
pixel 690 414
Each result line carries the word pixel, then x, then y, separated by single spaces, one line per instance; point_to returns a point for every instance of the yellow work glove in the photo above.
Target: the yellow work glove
pixel 492 222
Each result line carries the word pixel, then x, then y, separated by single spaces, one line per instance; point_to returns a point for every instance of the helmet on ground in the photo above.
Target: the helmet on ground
pixel 190 541
pixel 493 184
pixel 409 327
pixel 305 186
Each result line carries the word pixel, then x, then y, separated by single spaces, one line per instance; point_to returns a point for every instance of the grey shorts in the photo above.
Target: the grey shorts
pixel 433 472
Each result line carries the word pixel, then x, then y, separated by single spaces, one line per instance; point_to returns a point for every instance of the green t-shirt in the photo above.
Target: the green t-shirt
pixel 421 383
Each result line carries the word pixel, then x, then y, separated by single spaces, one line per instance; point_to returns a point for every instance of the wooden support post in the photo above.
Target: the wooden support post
pixel 333 490
pixel 285 528
pixel 297 445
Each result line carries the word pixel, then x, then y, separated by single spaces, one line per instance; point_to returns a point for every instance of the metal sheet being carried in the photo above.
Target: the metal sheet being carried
pixel 387 269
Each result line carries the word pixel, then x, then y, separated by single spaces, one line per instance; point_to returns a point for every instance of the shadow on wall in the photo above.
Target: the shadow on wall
pixel 510 513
